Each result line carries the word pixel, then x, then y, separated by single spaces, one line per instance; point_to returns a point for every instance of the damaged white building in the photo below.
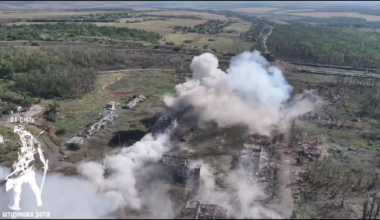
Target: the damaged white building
pixel 136 100
pixel 108 116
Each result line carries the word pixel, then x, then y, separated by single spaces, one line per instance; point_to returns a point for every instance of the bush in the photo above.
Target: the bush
pixel 61 131
pixel 188 41
pixel 177 48
pixel 156 47
pixel 74 147
pixel 35 44
pixel 51 117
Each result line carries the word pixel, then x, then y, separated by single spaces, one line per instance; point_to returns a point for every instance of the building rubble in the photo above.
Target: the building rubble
pixel 108 116
pixel 135 100
pixel 164 125
pixel 178 166
pixel 194 209
pixel 255 154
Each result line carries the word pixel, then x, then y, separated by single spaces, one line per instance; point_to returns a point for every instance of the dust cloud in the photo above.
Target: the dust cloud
pixel 251 94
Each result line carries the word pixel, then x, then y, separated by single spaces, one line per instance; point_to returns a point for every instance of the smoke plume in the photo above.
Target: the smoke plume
pixel 251 93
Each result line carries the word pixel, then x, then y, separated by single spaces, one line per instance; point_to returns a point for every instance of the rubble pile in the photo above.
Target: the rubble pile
pixel 108 116
pixel 178 167
pixel 257 139
pixel 136 100
pixel 164 125
pixel 198 210
pixel 313 150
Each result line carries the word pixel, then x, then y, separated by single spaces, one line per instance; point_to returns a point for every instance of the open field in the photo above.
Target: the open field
pixel 293 11
pixel 145 9
pixel 121 85
pixel 335 14
pixel 207 16
pixel 32 15
pixel 254 10
pixel 239 27
pixel 160 26
pixel 221 43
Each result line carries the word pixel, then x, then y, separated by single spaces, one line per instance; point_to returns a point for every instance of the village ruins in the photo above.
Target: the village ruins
pixel 108 116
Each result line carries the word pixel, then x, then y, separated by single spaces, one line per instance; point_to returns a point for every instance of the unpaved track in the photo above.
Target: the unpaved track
pixel 288 174
pixel 128 70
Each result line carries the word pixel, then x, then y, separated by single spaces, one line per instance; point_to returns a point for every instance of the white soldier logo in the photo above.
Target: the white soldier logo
pixel 23 168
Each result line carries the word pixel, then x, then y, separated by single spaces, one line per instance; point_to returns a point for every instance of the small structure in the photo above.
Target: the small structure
pixel 111 106
pixel 178 167
pixel 198 210
pixel 164 125
pixel 1 139
pixel 269 57
pixel 131 104
pixel 74 141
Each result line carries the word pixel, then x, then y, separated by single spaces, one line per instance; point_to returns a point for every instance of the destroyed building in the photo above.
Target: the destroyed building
pixel 270 57
pixel 179 168
pixel 194 209
pixel 74 141
pixel 135 100
pixel 254 157
pixel 108 116
pixel 164 125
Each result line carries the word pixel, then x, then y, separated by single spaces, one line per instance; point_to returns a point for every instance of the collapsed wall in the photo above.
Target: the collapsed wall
pixel 164 125
pixel 178 167
pixel 136 100
pixel 195 209
pixel 108 116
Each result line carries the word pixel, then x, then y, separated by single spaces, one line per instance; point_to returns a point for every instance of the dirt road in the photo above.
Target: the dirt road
pixel 287 176
pixel 128 70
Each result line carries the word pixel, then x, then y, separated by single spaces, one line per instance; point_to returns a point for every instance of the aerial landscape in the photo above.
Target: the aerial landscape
pixel 190 110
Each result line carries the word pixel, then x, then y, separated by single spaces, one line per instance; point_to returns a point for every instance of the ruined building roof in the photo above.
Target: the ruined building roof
pixel 162 124
pixel 262 140
pixel 174 160
pixel 199 210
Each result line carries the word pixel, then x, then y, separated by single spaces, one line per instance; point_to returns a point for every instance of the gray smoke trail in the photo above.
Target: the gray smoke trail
pixel 250 94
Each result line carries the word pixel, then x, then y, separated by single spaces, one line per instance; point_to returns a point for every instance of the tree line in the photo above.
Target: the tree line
pixel 326 45
pixel 340 22
pixel 65 72
pixel 61 31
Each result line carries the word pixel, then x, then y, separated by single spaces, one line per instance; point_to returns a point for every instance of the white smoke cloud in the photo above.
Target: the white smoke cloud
pixel 250 93
pixel 241 197
pixel 90 195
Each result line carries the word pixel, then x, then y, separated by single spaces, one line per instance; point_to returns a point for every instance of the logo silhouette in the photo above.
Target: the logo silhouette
pixel 23 168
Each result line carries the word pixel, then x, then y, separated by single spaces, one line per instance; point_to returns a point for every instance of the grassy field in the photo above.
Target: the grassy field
pixel 222 42
pixel 145 9
pixel 200 14
pixel 334 14
pixel 160 26
pixel 31 15
pixel 129 83
pixel 254 10
pixel 239 27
